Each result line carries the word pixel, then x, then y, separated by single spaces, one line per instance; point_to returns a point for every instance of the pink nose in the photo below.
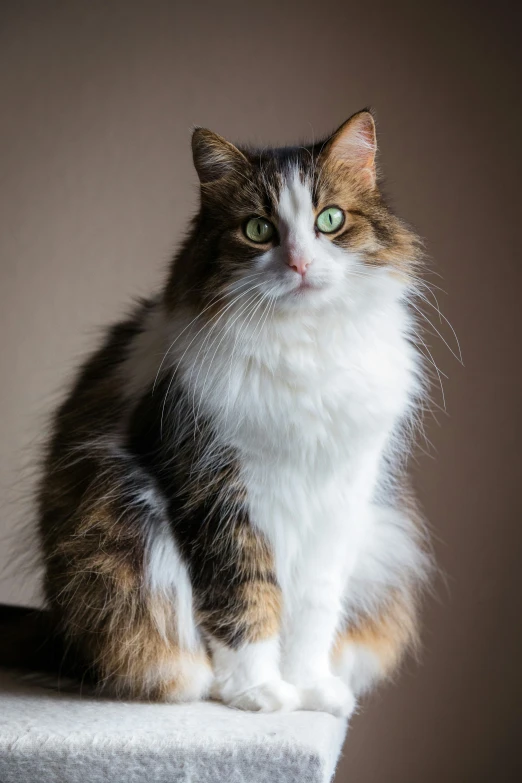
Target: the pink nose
pixel 299 264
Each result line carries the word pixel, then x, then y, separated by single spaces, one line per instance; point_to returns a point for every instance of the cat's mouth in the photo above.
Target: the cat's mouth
pixel 302 290
pixel 306 286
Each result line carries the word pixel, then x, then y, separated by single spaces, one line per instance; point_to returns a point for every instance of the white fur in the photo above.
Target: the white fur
pixel 141 366
pixel 168 574
pixel 309 387
pixel 327 263
pixel 249 678
pixel 191 677
pixel 359 667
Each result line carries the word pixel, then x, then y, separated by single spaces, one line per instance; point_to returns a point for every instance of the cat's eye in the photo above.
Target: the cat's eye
pixel 330 220
pixel 259 230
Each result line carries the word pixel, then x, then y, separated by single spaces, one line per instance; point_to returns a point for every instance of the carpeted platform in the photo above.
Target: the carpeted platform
pixel 49 736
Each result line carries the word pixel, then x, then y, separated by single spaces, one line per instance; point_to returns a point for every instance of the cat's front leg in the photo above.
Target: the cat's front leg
pixel 311 628
pixel 307 652
pixel 249 677
pixel 239 608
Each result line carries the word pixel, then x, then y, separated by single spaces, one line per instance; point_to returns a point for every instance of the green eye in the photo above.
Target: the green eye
pixel 259 230
pixel 330 220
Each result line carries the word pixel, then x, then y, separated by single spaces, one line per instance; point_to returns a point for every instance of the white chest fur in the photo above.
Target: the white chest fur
pixel 310 406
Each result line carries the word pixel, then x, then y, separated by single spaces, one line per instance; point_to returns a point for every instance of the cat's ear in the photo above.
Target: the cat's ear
pixel 215 157
pixel 354 145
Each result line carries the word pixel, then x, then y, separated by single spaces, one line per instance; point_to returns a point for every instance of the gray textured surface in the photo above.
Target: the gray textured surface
pixel 60 737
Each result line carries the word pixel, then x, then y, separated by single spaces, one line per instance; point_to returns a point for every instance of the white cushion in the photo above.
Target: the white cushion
pixel 50 736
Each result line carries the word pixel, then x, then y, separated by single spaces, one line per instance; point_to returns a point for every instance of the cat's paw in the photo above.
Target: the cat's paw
pixel 329 694
pixel 273 696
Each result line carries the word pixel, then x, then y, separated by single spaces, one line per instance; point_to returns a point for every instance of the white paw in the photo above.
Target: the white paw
pixel 273 696
pixel 329 694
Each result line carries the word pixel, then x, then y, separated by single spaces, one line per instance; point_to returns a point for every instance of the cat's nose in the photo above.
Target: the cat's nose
pixel 298 264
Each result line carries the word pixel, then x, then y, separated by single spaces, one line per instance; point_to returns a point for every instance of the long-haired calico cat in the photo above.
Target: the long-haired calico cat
pixel 224 510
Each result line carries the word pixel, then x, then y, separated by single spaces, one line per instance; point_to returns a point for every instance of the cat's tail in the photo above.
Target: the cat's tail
pixel 30 643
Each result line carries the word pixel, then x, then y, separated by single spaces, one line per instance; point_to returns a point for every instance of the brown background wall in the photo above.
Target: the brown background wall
pixel 96 103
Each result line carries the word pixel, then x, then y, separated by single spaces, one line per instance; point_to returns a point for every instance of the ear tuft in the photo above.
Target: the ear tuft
pixel 214 156
pixel 354 144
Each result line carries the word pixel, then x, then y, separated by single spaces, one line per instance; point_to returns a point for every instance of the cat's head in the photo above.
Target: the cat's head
pixel 300 226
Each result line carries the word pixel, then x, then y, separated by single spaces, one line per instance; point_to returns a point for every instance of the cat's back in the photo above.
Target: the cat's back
pixel 88 427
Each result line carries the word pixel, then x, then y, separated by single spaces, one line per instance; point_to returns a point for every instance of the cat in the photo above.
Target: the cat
pixel 224 510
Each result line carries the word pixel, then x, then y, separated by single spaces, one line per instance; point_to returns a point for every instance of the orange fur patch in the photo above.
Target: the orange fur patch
pixel 389 635
pixel 261 610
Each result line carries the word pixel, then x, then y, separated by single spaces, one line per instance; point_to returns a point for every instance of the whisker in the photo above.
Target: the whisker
pixel 442 317
pixel 227 328
pixel 214 299
pixel 219 316
pixel 423 315
pixel 439 372
pixel 271 304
